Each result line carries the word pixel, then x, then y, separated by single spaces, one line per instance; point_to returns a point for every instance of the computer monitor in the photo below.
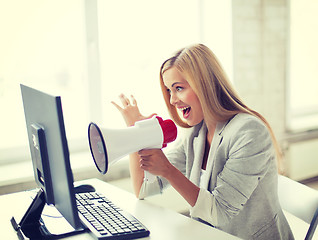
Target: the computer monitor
pixel 50 158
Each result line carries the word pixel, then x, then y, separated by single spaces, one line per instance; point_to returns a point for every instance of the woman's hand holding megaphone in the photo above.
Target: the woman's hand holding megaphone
pixel 130 111
pixel 155 162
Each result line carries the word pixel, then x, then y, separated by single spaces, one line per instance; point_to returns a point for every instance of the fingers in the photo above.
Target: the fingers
pixel 145 156
pixel 129 110
pixel 152 115
pixel 146 152
pixel 125 101
pixel 117 106
pixel 134 102
pixel 146 164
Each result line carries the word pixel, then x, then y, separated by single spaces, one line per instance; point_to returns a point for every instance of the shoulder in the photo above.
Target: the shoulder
pixel 244 122
pixel 245 128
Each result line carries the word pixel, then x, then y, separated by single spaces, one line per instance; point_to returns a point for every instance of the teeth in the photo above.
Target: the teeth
pixel 184 108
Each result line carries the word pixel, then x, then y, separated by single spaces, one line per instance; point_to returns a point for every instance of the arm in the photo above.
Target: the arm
pixel 248 154
pixel 183 185
pixel 131 114
pixel 154 161
pixel 136 173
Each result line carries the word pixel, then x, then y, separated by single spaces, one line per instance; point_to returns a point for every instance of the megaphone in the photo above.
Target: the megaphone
pixel 109 145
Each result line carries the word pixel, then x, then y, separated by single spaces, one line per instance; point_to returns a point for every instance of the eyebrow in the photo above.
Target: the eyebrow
pixel 176 83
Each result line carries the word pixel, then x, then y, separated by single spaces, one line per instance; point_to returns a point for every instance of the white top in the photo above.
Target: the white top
pixel 203 175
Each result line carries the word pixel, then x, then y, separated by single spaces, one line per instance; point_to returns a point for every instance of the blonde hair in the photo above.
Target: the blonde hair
pixel 206 77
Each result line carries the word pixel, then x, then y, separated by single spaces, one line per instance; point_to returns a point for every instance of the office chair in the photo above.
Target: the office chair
pixel 299 200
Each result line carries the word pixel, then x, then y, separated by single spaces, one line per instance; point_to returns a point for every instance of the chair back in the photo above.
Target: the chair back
pixel 299 200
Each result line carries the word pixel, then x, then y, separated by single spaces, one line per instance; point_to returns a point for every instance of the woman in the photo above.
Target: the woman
pixel 225 165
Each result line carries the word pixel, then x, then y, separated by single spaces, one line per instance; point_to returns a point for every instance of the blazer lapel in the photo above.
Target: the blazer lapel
pixel 216 141
pixel 198 147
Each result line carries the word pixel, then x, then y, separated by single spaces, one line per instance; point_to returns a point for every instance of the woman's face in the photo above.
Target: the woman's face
pixel 183 97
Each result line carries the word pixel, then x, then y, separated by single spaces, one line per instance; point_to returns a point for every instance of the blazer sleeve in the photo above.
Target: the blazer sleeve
pixel 247 149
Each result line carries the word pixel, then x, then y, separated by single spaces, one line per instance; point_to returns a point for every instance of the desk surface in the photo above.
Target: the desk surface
pixel 162 223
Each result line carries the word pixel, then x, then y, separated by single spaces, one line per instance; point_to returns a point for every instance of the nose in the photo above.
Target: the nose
pixel 173 98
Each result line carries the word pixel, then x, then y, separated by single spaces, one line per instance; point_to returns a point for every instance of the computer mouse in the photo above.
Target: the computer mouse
pixel 84 188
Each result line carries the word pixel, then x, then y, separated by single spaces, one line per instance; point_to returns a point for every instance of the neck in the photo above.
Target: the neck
pixel 210 132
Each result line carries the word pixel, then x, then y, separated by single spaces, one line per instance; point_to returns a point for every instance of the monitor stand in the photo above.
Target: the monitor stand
pixel 32 226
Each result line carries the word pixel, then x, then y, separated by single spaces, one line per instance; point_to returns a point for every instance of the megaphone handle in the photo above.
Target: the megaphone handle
pixel 150 177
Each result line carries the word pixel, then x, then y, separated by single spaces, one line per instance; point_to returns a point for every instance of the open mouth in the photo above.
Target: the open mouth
pixel 185 111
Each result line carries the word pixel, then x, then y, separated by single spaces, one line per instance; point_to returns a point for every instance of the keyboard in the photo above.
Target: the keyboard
pixel 107 221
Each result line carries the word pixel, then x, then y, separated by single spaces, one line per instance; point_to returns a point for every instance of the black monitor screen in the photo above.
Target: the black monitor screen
pixel 49 151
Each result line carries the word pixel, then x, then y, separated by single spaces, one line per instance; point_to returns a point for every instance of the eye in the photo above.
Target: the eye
pixel 168 90
pixel 179 89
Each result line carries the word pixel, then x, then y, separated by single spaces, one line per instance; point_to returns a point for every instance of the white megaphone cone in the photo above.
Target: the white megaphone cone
pixel 109 145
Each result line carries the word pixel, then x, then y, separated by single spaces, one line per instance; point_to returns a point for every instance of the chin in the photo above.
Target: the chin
pixel 193 123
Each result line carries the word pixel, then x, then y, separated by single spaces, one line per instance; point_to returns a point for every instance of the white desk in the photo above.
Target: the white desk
pixel 162 223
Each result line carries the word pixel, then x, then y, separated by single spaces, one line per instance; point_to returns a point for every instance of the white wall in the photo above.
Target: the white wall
pixel 261 45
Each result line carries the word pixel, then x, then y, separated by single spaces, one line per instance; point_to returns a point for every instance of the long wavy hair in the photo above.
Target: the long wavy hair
pixel 206 77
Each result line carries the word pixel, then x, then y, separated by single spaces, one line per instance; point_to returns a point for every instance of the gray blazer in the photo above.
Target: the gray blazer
pixel 239 193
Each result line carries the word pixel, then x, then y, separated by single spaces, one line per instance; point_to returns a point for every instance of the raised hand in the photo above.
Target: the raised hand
pixel 130 110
